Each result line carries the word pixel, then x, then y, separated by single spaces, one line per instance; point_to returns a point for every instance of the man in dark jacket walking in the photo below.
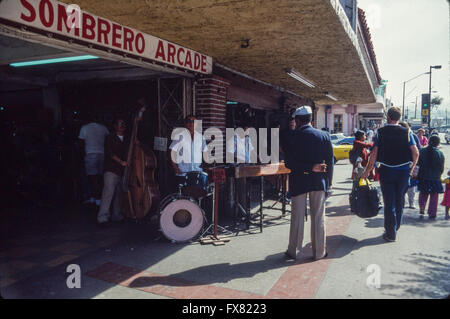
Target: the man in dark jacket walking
pixel 309 155
pixel 396 151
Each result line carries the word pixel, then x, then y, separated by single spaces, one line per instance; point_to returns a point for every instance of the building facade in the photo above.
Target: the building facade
pixel 346 118
pixel 227 63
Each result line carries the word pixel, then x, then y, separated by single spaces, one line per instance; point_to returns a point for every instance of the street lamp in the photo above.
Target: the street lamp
pixel 404 85
pixel 437 67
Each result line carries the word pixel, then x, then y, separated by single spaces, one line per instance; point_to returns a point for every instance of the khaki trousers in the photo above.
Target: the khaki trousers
pixel 318 234
pixel 110 199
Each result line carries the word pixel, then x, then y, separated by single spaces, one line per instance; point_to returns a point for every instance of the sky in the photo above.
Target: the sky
pixel 408 37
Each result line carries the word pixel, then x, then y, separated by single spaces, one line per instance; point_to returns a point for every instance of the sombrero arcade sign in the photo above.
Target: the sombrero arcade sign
pixel 71 22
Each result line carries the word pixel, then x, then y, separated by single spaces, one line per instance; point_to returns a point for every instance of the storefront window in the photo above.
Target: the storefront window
pixel 338 123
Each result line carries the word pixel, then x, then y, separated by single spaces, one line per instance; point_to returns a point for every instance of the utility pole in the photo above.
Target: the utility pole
pixel 404 86
pixel 403 111
pixel 415 111
pixel 429 113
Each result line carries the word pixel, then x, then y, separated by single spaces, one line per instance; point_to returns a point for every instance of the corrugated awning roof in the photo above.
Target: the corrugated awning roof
pixel 310 36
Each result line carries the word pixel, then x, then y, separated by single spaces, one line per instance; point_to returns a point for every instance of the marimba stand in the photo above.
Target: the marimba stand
pixel 215 239
pixel 282 199
pixel 260 171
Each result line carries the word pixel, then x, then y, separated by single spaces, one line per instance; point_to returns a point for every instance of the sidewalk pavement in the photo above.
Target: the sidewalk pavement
pixel 129 261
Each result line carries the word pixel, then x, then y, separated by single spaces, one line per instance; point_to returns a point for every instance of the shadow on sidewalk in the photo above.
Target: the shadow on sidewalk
pixel 344 245
pixel 226 272
pixel 431 281
pixel 409 218
pixel 217 273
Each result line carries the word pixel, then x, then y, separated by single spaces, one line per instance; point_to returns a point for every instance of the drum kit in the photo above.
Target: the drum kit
pixel 181 215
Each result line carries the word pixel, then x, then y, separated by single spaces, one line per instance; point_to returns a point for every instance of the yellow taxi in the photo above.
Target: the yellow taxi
pixel 341 147
pixel 341 152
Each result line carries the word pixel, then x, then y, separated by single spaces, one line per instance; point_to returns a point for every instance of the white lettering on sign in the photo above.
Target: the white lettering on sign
pixel 69 21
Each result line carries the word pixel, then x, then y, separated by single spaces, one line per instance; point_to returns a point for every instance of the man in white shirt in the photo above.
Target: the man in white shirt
pixel 197 146
pixel 92 137
pixel 241 147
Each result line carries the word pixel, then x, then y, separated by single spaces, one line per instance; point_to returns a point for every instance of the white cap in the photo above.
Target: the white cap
pixel 304 110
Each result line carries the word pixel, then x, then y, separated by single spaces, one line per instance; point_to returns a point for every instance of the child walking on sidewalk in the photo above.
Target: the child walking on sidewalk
pixel 446 200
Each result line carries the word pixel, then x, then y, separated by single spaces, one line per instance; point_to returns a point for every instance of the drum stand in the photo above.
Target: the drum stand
pixel 214 227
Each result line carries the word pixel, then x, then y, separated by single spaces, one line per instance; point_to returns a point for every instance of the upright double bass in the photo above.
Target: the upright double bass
pixel 141 192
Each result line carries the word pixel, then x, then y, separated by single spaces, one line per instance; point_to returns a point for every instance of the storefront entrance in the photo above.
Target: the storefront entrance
pixel 47 98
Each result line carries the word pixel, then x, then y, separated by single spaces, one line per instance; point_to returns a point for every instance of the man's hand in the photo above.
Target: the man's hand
pixel 411 170
pixel 366 174
pixel 123 163
pixel 319 168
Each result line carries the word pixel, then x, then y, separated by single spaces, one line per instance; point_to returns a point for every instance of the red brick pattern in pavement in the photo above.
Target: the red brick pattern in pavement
pixel 302 280
pixel 19 259
pixel 299 281
pixel 164 285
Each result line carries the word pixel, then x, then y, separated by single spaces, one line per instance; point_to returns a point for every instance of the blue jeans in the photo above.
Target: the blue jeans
pixel 394 185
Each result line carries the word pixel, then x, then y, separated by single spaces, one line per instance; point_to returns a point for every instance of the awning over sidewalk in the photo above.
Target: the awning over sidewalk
pixel 261 39
pixel 69 27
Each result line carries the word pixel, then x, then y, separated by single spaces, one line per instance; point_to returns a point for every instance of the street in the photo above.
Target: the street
pixel 125 261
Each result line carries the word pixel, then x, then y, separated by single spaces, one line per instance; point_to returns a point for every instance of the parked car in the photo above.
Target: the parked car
pixel 337 137
pixel 345 141
pixel 341 152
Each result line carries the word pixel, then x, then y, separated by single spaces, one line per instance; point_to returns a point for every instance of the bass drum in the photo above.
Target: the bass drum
pixel 181 218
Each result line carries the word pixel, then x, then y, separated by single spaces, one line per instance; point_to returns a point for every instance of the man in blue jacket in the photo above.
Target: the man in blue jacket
pixel 309 155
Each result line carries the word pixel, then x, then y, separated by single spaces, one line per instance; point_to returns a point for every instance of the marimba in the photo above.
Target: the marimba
pixel 245 171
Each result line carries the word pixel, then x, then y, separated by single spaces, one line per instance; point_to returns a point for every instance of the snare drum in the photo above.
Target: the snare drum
pixel 196 184
pixel 181 218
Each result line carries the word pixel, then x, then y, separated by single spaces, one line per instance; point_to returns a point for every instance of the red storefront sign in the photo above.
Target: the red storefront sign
pixel 69 21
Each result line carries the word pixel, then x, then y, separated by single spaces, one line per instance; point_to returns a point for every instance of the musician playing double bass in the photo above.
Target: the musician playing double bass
pixel 147 117
pixel 116 147
pixel 140 189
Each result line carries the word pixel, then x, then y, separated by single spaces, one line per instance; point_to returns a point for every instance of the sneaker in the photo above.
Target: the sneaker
pixel 412 207
pixel 387 238
pixel 432 217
